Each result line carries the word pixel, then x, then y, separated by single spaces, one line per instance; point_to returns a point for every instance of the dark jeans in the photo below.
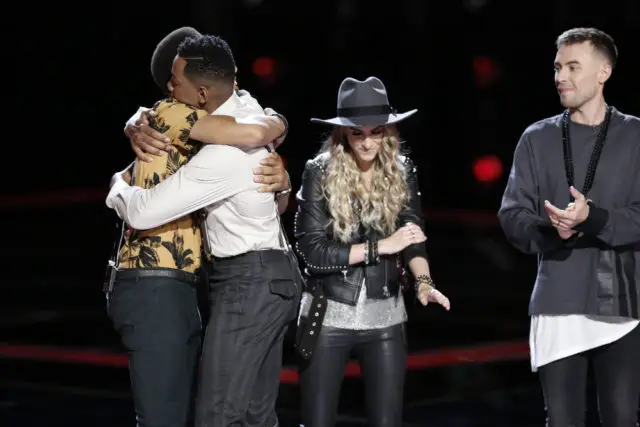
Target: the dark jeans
pixel 382 354
pixel 159 323
pixel 253 300
pixel 617 377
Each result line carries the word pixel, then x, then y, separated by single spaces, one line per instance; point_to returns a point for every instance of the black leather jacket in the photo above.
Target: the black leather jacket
pixel 327 261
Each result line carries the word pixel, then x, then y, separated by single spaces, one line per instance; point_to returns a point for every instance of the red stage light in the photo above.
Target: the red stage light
pixel 485 71
pixel 487 169
pixel 263 66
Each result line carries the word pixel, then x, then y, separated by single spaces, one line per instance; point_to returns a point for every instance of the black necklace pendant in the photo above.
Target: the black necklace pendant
pixel 595 154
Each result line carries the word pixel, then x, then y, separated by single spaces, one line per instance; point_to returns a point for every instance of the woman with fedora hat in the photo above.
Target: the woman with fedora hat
pixel 359 222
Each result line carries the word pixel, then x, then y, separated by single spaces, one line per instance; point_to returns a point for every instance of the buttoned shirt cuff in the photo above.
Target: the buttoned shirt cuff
pixel 284 121
pixel 117 185
pixel 133 119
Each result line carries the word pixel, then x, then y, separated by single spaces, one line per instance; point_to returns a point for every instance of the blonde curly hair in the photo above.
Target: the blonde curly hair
pixel 350 200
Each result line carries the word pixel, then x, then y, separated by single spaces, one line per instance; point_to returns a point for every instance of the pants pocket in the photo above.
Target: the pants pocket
pixel 285 288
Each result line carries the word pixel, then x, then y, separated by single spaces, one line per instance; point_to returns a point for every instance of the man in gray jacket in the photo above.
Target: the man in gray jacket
pixel 573 198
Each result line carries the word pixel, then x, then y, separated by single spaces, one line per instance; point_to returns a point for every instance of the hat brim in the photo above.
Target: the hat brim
pixel 377 120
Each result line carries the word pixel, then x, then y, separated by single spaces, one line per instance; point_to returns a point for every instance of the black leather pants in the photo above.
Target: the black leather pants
pixel 382 354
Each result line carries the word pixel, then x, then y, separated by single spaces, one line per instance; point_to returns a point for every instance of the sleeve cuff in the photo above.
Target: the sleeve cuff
pixel 571 241
pixel 343 255
pixel 595 222
pixel 117 185
pixel 549 240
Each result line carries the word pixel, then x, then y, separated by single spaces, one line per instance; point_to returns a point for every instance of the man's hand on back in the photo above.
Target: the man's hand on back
pixel 145 140
pixel 272 174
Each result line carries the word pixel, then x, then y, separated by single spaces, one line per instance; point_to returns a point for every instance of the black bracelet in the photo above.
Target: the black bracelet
pixel 286 124
pixel 376 257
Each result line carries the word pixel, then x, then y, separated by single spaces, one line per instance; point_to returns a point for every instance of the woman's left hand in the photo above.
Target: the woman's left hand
pixel 427 294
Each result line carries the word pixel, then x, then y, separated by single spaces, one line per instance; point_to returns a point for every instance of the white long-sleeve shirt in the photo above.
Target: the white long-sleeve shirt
pixel 218 178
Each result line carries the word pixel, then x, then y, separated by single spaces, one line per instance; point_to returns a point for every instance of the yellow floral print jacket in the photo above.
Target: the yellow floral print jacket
pixel 177 244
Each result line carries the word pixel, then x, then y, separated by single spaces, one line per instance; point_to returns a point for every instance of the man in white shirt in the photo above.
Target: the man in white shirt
pixel 152 293
pixel 253 296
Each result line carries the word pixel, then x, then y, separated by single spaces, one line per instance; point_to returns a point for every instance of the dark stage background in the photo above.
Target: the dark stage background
pixel 479 71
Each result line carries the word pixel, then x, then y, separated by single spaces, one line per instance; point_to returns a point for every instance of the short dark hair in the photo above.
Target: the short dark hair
pixel 164 54
pixel 208 57
pixel 601 41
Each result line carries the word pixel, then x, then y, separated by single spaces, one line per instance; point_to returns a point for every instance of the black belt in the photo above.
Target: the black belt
pixel 168 273
pixel 251 256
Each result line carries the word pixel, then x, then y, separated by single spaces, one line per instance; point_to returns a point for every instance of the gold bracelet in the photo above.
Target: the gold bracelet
pixel 423 278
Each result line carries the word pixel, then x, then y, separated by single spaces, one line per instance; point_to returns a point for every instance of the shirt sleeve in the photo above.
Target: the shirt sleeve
pixel 523 225
pixel 249 102
pixel 413 212
pixel 209 177
pixel 320 253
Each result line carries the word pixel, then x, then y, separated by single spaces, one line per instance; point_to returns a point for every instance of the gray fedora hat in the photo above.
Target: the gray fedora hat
pixel 364 103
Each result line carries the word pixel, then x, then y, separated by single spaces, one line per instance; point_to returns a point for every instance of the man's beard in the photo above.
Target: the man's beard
pixel 576 101
pixel 569 103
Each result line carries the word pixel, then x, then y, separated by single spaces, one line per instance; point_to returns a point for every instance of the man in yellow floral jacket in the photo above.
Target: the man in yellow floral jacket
pixel 154 303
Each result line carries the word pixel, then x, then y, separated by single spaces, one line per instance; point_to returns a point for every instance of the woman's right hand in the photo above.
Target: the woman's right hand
pixel 145 140
pixel 406 235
